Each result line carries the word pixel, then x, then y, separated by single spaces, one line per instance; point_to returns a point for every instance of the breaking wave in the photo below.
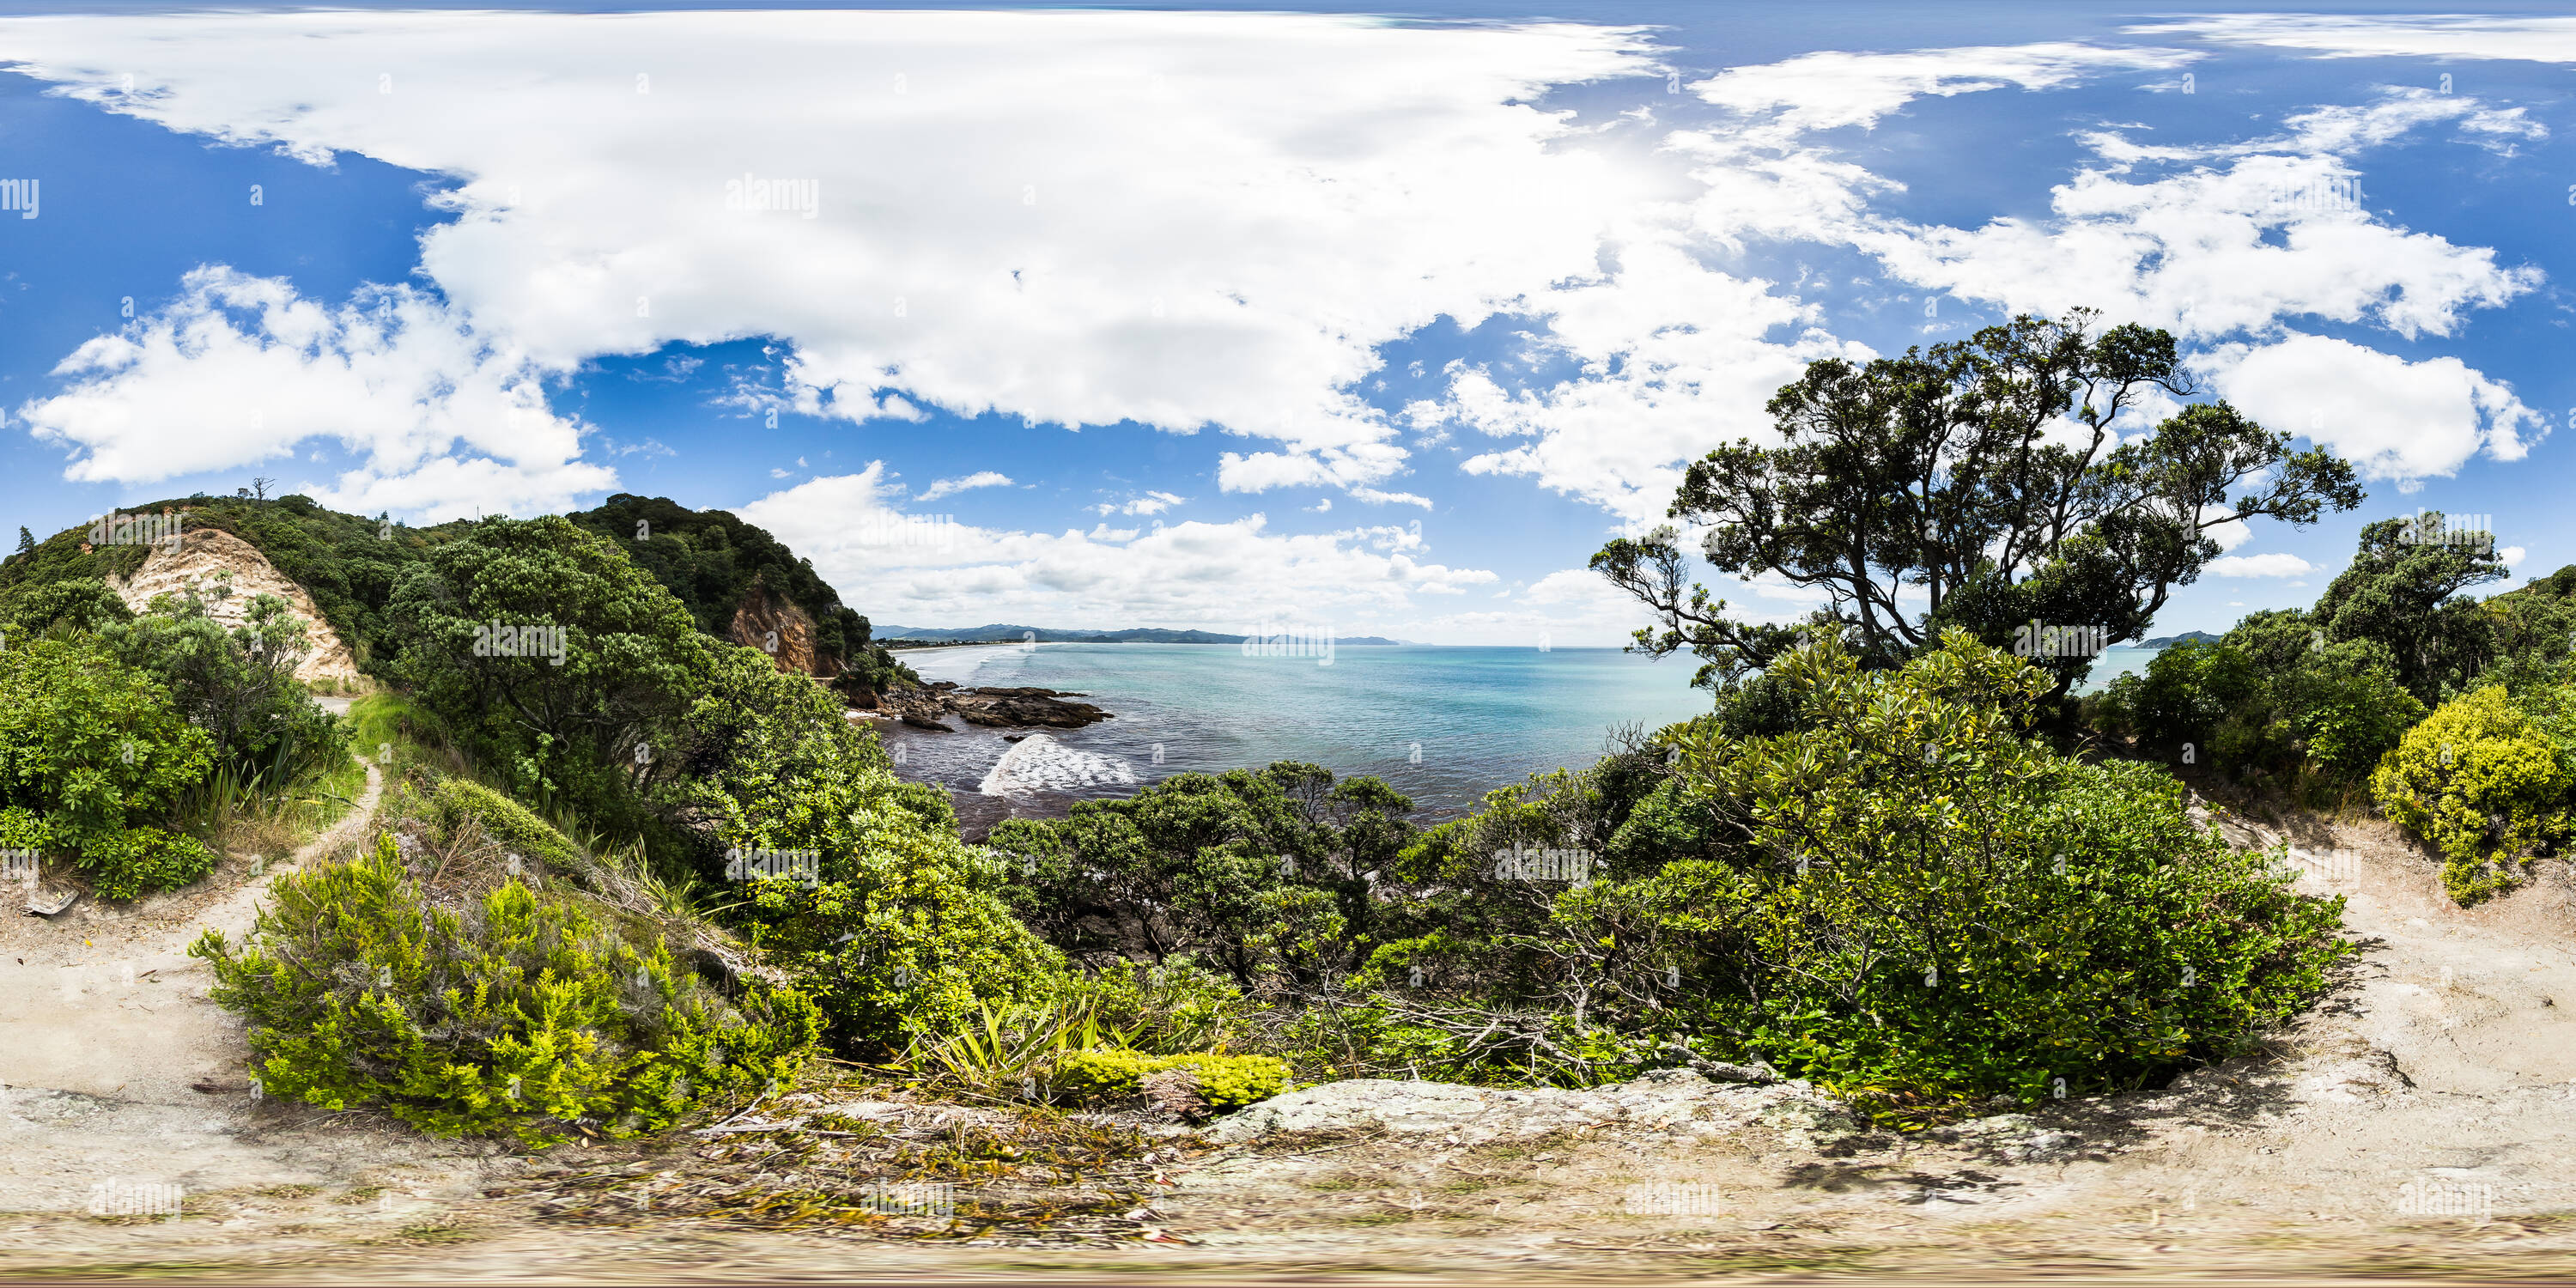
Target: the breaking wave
pixel 1040 763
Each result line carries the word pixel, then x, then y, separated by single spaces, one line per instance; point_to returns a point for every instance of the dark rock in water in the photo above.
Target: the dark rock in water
pixel 924 706
pixel 1013 737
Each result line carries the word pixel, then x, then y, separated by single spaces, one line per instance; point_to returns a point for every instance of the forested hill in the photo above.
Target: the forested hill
pixel 737 581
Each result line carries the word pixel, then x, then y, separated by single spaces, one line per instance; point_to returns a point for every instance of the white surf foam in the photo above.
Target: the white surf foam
pixel 1040 763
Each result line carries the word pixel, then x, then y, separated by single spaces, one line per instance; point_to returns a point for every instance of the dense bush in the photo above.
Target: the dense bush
pixel 1907 896
pixel 93 754
pixel 577 716
pixel 523 1010
pixel 236 683
pixel 1267 874
pixel 1225 1082
pixel 2483 784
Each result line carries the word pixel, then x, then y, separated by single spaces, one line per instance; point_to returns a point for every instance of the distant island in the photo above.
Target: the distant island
pixel 920 636
pixel 2168 641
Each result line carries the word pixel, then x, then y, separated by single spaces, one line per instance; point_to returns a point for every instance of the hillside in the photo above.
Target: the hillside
pixel 738 582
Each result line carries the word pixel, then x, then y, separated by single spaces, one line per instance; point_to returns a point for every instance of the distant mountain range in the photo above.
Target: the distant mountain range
pixel 2168 641
pixel 1000 633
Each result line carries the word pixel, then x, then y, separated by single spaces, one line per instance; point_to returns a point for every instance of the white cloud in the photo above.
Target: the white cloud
pixel 2513 556
pixel 1151 503
pixel 2392 418
pixel 2209 253
pixel 2272 565
pixel 238 370
pixel 951 487
pixel 1219 576
pixel 1673 361
pixel 999 224
pixel 2537 39
pixel 1831 89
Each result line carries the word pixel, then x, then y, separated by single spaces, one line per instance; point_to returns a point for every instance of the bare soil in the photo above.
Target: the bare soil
pixel 2415 1126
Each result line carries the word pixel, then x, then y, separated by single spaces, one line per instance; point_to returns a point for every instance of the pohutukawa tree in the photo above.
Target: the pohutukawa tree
pixel 1978 484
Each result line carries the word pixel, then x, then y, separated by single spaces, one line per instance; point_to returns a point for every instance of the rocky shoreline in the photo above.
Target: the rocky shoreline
pixel 927 706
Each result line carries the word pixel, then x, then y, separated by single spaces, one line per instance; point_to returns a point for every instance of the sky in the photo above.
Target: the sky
pixel 1339 319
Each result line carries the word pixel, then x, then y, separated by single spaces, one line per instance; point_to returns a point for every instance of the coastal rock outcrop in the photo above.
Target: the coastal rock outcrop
pixel 927 706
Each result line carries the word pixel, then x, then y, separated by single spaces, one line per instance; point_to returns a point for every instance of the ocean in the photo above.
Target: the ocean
pixel 1441 724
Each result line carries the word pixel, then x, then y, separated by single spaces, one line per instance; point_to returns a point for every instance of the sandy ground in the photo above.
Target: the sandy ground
pixel 2417 1126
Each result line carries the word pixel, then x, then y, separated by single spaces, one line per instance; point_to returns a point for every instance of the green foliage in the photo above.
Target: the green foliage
pixel 140 860
pixel 1906 897
pixel 1226 1082
pixel 2186 693
pixel 1265 873
pixel 578 720
pixel 237 683
pixel 1944 474
pixel 90 748
pixel 713 562
pixel 523 1011
pixel 1167 1007
pixel 2484 784
pixel 2405 595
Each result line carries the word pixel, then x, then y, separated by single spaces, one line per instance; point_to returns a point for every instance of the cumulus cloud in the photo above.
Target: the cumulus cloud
pixel 2210 253
pixel 951 487
pixel 2273 565
pixel 237 370
pixel 1219 576
pixel 2393 419
pixel 1672 359
pixel 1833 89
pixel 983 212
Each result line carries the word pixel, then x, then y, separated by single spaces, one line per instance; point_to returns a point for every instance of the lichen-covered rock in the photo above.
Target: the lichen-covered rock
pixel 1675 1102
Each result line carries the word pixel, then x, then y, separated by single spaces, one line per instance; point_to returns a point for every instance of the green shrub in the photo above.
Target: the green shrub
pixel 237 683
pixel 90 748
pixel 1169 1007
pixel 904 933
pixel 140 860
pixel 522 1011
pixel 1917 900
pixel 1226 1082
pixel 2483 784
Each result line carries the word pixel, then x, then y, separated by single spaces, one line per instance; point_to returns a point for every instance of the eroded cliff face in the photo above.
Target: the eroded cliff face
pixel 768 622
pixel 227 573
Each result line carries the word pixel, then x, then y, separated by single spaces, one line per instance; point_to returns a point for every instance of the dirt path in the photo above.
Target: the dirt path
pixel 2418 1125
pixel 117 1069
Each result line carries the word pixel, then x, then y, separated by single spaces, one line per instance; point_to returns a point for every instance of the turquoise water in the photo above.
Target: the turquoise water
pixel 2116 661
pixel 1479 718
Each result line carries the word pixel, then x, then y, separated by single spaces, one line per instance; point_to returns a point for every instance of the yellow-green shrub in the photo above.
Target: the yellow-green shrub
pixel 1226 1082
pixel 526 1011
pixel 2482 784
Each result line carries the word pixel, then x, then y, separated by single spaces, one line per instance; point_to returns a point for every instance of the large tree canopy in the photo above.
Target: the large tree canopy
pixel 1978 484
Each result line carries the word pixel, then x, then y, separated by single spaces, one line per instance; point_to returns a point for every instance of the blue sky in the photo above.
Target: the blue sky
pixel 1224 318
